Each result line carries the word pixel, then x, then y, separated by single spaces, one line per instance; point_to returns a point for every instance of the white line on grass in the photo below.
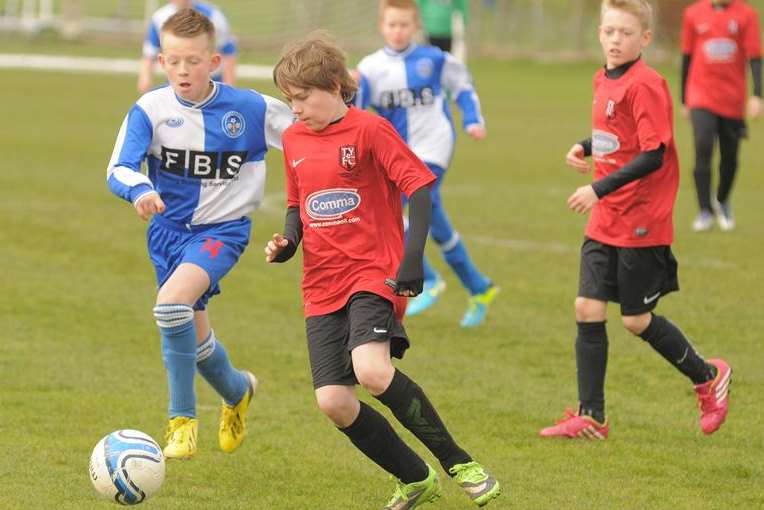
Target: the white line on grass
pixel 104 65
pixel 274 204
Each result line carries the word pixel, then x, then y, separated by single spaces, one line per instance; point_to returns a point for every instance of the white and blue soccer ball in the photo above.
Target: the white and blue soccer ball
pixel 127 466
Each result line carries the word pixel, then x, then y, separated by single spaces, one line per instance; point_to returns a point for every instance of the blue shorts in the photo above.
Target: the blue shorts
pixel 215 248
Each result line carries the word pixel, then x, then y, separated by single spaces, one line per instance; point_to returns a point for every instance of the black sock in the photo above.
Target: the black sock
pixel 410 405
pixel 671 343
pixel 372 434
pixel 591 365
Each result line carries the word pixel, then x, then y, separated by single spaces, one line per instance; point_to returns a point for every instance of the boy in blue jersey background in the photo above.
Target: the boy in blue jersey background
pixel 225 41
pixel 409 85
pixel 204 144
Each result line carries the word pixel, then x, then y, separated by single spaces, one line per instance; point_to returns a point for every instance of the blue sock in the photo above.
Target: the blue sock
pixel 456 255
pixel 176 324
pixel 430 275
pixel 214 365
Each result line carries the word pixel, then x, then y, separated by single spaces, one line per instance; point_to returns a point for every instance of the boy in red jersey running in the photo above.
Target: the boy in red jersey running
pixel 346 169
pixel 718 37
pixel 626 255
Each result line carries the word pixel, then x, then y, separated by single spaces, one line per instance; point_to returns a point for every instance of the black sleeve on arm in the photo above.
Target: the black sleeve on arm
pixel 685 72
pixel 420 213
pixel 756 76
pixel 292 233
pixel 586 143
pixel 644 164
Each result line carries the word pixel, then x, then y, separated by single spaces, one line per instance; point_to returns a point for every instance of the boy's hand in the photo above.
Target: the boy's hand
pixel 754 107
pixel 149 204
pixel 583 199
pixel 575 159
pixel 275 246
pixel 477 132
pixel 407 289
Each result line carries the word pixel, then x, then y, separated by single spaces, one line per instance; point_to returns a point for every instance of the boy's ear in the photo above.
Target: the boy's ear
pixel 215 60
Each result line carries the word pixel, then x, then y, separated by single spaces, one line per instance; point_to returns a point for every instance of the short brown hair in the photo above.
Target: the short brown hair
pixel 639 8
pixel 188 23
pixel 314 62
pixel 398 4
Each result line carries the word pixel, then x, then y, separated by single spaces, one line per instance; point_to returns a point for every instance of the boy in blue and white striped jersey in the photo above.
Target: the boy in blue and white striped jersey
pixel 204 144
pixel 409 85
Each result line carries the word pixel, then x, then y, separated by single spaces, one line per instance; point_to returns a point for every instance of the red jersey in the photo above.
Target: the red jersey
pixel 633 114
pixel 347 181
pixel 719 42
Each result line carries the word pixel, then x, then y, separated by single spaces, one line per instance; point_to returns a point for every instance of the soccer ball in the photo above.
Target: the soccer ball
pixel 127 466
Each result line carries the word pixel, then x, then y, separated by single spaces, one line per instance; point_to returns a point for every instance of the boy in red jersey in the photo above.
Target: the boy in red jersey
pixel 718 37
pixel 626 255
pixel 346 169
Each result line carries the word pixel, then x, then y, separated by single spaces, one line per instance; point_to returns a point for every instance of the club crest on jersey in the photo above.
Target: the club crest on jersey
pixel 610 109
pixel 348 156
pixel 732 26
pixel 330 204
pixel 604 143
pixel 175 122
pixel 424 67
pixel 233 124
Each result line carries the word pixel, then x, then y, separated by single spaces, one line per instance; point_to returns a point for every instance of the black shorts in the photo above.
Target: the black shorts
pixel 366 317
pixel 634 277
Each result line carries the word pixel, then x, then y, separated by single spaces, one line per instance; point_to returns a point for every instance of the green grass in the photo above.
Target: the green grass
pixel 79 355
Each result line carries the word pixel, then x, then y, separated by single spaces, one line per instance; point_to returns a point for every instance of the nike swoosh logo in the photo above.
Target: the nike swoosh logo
pixel 379 330
pixel 477 489
pixel 652 298
pixel 296 162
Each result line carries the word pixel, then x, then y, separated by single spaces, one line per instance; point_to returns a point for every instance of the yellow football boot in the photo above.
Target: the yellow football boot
pixel 233 421
pixel 181 437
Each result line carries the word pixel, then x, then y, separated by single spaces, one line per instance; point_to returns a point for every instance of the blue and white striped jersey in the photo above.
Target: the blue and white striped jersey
pixel 205 160
pixel 226 42
pixel 410 89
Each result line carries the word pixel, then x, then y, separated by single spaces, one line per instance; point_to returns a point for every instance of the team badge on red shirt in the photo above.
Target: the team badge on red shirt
pixel 348 155
pixel 610 109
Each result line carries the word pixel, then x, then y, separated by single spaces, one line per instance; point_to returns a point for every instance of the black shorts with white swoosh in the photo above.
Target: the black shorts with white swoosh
pixel 634 277
pixel 366 317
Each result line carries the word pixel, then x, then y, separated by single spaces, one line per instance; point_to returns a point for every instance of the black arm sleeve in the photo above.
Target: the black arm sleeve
pixel 420 213
pixel 756 76
pixel 685 72
pixel 292 233
pixel 587 145
pixel 644 164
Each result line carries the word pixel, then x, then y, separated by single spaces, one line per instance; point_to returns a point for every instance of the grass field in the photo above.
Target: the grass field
pixel 79 355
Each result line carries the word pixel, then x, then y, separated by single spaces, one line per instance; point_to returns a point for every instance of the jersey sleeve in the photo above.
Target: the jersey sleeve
pixel 278 117
pixel 292 189
pixel 457 79
pixel 226 42
pixel 688 33
pixel 151 41
pixel 402 166
pixel 362 98
pixel 752 37
pixel 123 174
pixel 651 109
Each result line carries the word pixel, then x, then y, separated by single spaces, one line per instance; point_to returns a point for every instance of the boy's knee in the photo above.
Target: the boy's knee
pixel 337 406
pixel 636 324
pixel 589 310
pixel 375 379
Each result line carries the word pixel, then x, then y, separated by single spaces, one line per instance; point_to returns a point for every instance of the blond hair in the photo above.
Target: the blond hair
pixel 398 4
pixel 314 62
pixel 188 23
pixel 641 9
